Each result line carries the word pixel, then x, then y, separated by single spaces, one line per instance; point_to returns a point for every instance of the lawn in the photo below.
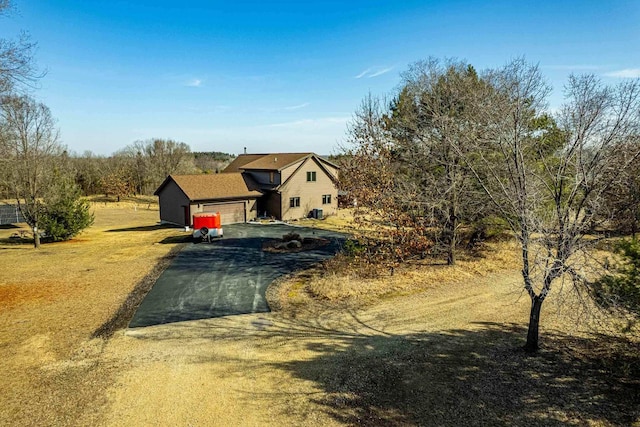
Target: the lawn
pixel 429 346
pixel 53 299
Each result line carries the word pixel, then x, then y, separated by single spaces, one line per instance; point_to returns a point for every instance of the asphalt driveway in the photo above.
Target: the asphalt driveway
pixel 228 276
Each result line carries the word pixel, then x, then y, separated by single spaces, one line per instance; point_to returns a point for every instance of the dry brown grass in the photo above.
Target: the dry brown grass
pixel 335 282
pixel 341 222
pixel 448 356
pixel 437 346
pixel 54 298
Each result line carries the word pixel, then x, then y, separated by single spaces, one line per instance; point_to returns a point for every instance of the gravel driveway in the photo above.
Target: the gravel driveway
pixel 228 276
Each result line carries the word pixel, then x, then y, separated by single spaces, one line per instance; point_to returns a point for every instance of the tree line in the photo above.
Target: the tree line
pixel 141 167
pixel 455 150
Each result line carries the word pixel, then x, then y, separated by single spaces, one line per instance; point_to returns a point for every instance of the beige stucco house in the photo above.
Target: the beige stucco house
pixel 285 186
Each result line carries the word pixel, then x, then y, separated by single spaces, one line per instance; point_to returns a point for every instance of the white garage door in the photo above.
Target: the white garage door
pixel 230 213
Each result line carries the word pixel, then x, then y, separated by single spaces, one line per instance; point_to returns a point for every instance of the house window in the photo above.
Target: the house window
pixel 326 199
pixel 271 175
pixel 311 176
pixel 294 202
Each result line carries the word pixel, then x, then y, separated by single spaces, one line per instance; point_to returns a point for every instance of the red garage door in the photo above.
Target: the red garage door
pixel 230 213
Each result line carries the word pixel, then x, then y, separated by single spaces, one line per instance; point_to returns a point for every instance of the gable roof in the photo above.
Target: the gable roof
pixel 213 186
pixel 318 161
pixel 276 161
pixel 270 162
pixel 240 161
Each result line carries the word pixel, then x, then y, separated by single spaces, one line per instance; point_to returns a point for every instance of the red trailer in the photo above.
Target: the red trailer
pixel 206 225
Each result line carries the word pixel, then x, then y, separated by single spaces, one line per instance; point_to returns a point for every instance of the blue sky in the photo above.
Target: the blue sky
pixel 287 75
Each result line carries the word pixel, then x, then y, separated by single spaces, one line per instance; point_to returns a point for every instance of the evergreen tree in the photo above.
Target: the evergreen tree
pixel 66 213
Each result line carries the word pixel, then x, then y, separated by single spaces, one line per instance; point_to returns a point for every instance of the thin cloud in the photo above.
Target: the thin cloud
pixel 362 74
pixel 381 72
pixel 194 83
pixel 287 108
pixel 296 107
pixel 627 73
pixel 373 72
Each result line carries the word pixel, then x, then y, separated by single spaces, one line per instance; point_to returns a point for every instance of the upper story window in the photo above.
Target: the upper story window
pixel 311 176
pixel 271 177
pixel 326 199
pixel 294 202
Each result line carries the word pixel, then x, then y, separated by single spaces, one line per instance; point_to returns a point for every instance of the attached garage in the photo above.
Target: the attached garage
pixel 234 195
pixel 230 213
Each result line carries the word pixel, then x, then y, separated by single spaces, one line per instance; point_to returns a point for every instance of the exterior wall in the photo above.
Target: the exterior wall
pixel 172 202
pixel 288 171
pixel 310 193
pixel 331 169
pixel 264 177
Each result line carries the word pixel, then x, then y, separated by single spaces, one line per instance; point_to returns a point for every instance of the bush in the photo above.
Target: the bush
pixel 291 236
pixel 66 214
pixel 353 248
pixel 622 289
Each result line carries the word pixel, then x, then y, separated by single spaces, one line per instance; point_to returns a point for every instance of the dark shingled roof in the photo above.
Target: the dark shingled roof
pixel 237 163
pixel 214 186
pixel 271 161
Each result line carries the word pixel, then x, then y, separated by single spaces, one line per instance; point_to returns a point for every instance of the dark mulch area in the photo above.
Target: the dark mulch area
pixel 308 244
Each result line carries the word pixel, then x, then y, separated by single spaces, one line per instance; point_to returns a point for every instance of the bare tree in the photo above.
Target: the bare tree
pixel 621 208
pixel 16 60
pixel 115 183
pixel 550 200
pixel 166 156
pixel 373 176
pixel 149 162
pixel 30 142
pixel 88 170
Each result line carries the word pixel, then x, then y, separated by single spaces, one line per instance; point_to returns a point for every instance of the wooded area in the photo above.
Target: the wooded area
pixel 455 150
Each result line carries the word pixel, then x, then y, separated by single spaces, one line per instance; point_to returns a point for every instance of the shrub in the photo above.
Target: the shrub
pixel 291 236
pixel 353 247
pixel 66 214
pixel 621 290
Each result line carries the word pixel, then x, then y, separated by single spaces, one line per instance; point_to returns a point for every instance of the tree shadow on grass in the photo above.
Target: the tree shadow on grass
pixel 183 238
pixel 474 377
pixel 460 377
pixel 144 228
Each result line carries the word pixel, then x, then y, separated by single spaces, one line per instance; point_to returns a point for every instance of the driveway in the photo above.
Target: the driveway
pixel 228 276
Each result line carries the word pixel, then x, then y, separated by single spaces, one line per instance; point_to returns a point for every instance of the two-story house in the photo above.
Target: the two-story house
pixel 285 186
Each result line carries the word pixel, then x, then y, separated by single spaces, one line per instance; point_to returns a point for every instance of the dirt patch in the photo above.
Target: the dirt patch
pixel 14 295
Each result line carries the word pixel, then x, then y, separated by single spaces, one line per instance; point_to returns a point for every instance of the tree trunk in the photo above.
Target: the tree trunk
pixel 451 251
pixel 452 221
pixel 534 321
pixel 36 238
